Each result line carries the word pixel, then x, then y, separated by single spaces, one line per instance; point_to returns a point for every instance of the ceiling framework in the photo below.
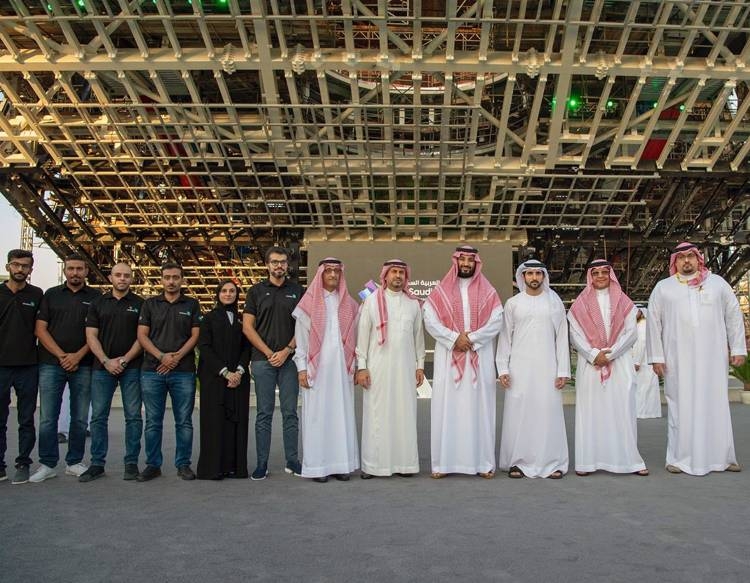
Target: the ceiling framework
pixel 203 131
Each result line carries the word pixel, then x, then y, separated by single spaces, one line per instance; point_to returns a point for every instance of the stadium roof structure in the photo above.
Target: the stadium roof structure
pixel 204 131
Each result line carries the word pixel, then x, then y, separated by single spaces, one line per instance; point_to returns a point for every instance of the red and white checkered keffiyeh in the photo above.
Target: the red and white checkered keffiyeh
pixel 445 299
pixel 380 292
pixel 313 304
pixel 587 313
pixel 703 272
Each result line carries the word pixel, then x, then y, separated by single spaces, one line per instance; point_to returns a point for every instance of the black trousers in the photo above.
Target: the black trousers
pixel 24 379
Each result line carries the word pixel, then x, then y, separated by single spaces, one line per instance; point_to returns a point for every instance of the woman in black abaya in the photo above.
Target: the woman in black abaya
pixel 224 389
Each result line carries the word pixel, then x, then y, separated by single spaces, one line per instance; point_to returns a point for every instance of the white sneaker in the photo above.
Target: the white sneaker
pixel 43 473
pixel 76 469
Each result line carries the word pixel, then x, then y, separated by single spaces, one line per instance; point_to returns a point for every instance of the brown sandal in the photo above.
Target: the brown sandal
pixel 556 475
pixel 643 472
pixel 583 473
pixel 437 475
pixel 515 472
pixel 487 475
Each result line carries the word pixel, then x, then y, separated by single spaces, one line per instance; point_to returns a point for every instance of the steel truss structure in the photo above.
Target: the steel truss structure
pixel 202 131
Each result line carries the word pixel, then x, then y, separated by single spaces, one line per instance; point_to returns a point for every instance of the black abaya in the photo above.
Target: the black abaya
pixel 224 412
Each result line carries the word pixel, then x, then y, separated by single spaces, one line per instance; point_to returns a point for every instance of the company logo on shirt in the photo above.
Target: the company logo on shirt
pixel 184 313
pixel 86 303
pixel 30 304
pixel 132 309
pixel 293 296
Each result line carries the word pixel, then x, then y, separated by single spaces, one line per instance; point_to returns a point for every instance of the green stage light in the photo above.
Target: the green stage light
pixel 574 103
pixel 682 107
pixel 610 104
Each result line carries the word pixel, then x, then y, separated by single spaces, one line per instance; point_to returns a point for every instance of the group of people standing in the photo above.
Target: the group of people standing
pixel 320 341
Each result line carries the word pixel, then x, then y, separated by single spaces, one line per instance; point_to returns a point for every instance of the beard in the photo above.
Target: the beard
pixel 466 274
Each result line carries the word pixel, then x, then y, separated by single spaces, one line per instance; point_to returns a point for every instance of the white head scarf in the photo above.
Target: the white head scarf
pixel 556 307
pixel 528 265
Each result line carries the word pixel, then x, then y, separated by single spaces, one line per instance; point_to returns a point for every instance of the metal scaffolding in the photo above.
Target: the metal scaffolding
pixel 203 131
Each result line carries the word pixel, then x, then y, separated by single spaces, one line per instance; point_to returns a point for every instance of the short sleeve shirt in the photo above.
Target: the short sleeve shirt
pixel 272 307
pixel 17 318
pixel 65 313
pixel 170 326
pixel 117 323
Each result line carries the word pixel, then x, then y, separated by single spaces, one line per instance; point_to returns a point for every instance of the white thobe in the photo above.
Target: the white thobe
pixel 647 394
pixel 689 329
pixel 533 349
pixel 606 434
pixel 329 428
pixel 462 433
pixel 389 406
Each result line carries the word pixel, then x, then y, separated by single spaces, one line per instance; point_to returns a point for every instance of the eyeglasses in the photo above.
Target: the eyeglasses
pixel 17 265
pixel 277 262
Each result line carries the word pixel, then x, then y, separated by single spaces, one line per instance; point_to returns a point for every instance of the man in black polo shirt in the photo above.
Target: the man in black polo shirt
pixel 19 302
pixel 168 332
pixel 111 333
pixel 64 357
pixel 268 324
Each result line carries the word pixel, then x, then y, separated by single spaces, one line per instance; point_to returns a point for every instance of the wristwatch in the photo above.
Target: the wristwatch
pixel 123 363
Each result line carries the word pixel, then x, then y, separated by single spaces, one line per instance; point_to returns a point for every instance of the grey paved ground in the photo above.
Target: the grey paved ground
pixel 600 528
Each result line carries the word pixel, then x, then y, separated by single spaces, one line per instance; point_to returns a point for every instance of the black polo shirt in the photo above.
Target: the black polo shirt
pixel 272 307
pixel 65 313
pixel 117 322
pixel 17 317
pixel 171 324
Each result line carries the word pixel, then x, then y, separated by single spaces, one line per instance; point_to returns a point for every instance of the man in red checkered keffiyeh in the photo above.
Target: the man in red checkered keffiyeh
pixel 603 330
pixel 326 337
pixel 464 315
pixel 390 367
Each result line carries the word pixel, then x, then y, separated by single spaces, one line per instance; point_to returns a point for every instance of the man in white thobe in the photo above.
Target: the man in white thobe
pixel 602 330
pixel 533 363
pixel 647 395
pixel 464 315
pixel 390 367
pixel 694 324
pixel 326 336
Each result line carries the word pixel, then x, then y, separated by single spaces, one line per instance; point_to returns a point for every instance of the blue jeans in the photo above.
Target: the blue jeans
pixel 103 386
pixel 52 379
pixel 24 380
pixel 181 388
pixel 266 377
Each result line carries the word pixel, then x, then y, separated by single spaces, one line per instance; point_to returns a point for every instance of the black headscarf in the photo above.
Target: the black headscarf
pixel 228 307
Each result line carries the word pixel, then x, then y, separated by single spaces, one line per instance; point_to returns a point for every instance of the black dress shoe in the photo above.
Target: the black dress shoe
pixel 131 472
pixel 405 475
pixel 93 473
pixel 186 472
pixel 366 476
pixel 342 477
pixel 149 473
pixel 321 480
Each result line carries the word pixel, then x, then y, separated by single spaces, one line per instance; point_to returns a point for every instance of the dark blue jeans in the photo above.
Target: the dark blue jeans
pixel 52 379
pixel 103 386
pixel 181 388
pixel 267 377
pixel 24 380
